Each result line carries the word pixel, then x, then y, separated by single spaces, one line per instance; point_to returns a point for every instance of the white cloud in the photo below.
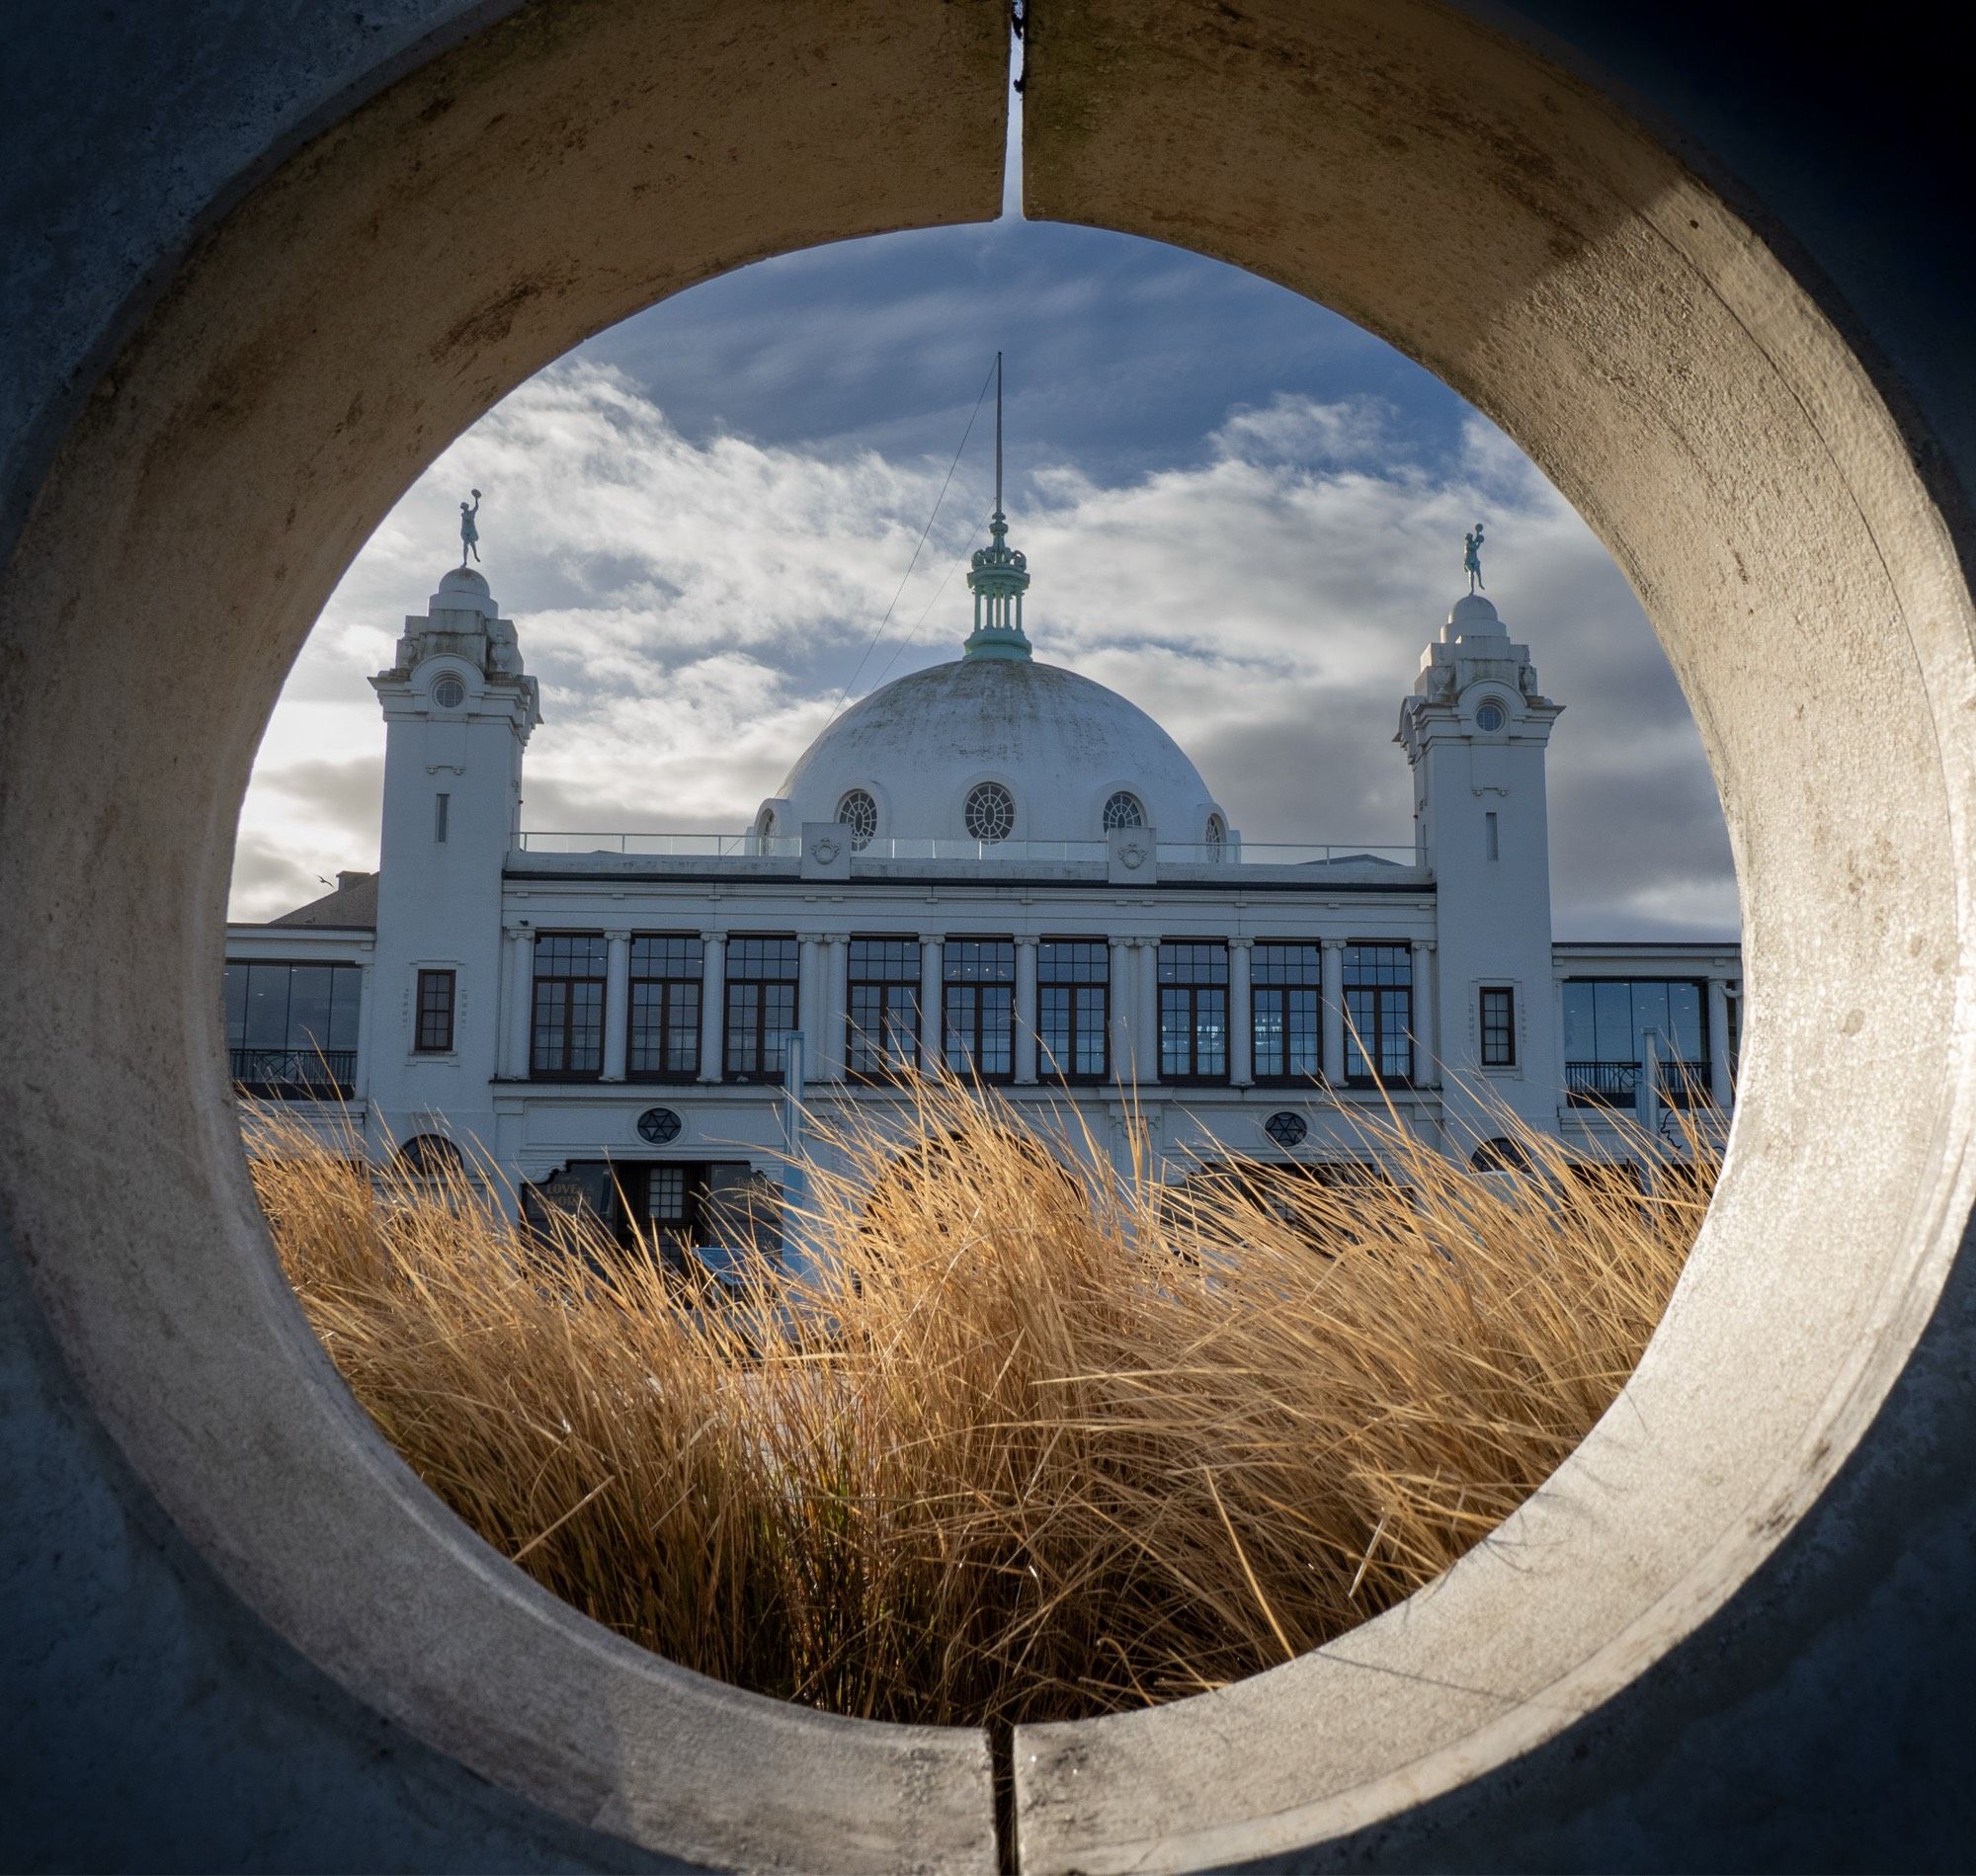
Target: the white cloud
pixel 692 609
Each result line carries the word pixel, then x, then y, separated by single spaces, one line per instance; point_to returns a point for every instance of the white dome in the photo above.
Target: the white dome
pixel 1060 745
pixel 1474 616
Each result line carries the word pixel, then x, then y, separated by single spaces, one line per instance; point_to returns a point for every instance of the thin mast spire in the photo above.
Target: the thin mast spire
pixel 998 433
pixel 999 576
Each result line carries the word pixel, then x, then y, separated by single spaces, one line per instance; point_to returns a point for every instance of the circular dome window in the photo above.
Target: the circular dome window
pixel 449 693
pixel 1124 810
pixel 990 812
pixel 1287 1128
pixel 859 813
pixel 1490 718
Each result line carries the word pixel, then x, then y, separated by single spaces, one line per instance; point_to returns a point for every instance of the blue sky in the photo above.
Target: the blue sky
pixel 1239 509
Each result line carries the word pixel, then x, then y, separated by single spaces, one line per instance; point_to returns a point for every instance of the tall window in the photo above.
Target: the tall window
pixel 883 1035
pixel 980 1008
pixel 1499 1026
pixel 292 1029
pixel 1380 1012
pixel 664 1038
pixel 1194 1012
pixel 1074 1008
pixel 568 1040
pixel 434 1035
pixel 761 1007
pixel 1288 1002
pixel 1605 1025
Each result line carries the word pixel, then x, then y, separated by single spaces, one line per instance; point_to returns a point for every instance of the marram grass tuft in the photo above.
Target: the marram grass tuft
pixel 1031 1443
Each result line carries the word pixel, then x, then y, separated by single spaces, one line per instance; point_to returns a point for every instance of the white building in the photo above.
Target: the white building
pixel 993 863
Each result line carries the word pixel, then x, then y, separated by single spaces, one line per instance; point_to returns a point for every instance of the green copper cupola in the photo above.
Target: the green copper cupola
pixel 999 575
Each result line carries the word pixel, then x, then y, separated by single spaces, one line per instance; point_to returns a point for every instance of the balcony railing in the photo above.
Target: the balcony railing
pixel 307 1074
pixel 1617 1084
pixel 991 853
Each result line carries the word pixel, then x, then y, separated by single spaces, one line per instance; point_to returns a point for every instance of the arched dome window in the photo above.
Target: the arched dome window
pixel 859 813
pixel 1124 810
pixel 990 812
pixel 431 1156
pixel 765 825
pixel 1217 836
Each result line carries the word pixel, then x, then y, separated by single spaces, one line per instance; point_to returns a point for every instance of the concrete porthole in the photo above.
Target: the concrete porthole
pixel 1509 230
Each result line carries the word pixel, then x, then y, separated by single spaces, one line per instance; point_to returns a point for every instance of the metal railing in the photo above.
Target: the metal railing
pixel 751 846
pixel 1617 1084
pixel 306 1074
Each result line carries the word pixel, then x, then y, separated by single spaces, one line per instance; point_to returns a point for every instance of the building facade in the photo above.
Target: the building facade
pixel 993 866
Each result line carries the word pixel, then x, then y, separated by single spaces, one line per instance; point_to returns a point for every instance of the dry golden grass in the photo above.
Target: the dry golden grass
pixel 1027 1445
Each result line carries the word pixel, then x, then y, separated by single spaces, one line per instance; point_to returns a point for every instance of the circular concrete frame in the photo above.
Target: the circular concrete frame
pixel 1498 220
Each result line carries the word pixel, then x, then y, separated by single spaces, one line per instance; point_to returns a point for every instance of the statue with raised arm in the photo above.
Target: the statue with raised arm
pixel 1471 558
pixel 469 536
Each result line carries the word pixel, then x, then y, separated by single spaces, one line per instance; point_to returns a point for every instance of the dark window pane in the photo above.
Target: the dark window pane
pixel 346 1007
pixel 237 1005
pixel 1650 1011
pixel 267 1026
pixel 1614 1006
pixel 1685 1021
pixel 1581 1036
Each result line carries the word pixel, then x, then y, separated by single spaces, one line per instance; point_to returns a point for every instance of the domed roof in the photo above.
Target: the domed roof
pixel 462 590
pixel 1060 745
pixel 1474 616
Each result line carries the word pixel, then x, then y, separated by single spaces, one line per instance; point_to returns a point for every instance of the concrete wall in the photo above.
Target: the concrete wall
pixel 1818 1716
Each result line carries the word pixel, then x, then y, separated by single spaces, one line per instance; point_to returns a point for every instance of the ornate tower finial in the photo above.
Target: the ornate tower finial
pixel 469 534
pixel 1471 558
pixel 999 576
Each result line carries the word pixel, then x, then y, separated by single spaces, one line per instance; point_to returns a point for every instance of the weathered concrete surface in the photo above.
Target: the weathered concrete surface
pixel 1795 541
pixel 556 170
pixel 1820 1716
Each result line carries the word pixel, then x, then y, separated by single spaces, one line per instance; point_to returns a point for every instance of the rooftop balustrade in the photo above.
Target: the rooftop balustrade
pixel 1011 853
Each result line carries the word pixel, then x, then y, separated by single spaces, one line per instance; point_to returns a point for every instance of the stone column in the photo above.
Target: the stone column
pixel 1025 1010
pixel 1427 1060
pixel 616 1003
pixel 712 1003
pixel 933 1012
pixel 1148 1011
pixel 1721 1089
pixel 1333 973
pixel 828 1048
pixel 810 1012
pixel 516 1002
pixel 1119 993
pixel 1241 1015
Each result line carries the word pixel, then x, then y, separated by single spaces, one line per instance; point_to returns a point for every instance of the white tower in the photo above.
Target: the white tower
pixel 457 710
pixel 1475 731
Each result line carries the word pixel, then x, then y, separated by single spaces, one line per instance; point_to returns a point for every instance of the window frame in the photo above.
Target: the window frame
pixel 1260 991
pixel 768 1064
pixel 1194 996
pixel 1610 1080
pixel 568 982
pixel 244 1056
pixel 435 975
pixel 1077 993
pixel 972 995
pixel 1505 1028
pixel 874 1056
pixel 1382 1033
pixel 670 1022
